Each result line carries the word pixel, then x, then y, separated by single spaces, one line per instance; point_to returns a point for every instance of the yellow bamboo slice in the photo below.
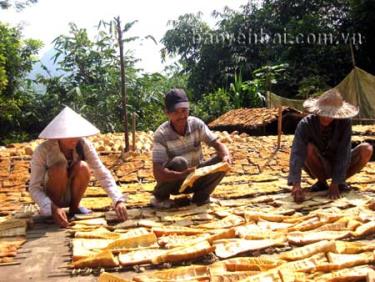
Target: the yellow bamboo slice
pixel 309 250
pixel 353 224
pixel 88 216
pixel 303 238
pixel 292 276
pixel 341 261
pixel 343 247
pixel 232 276
pixel 309 224
pixel 135 232
pixel 13 223
pixel 336 226
pixel 103 259
pixel 187 252
pixel 140 256
pixel 304 265
pixel 187 273
pixel 269 276
pixel 109 277
pixel 262 263
pixel 13 232
pixel 92 222
pixel 191 210
pixel 131 243
pixel 178 230
pixel 256 216
pixel 358 273
pixel 99 233
pixel 230 247
pixel 173 241
pixel 222 234
pixel 199 172
pixel 365 229
pixel 227 222
pixel 83 248
pixel 267 225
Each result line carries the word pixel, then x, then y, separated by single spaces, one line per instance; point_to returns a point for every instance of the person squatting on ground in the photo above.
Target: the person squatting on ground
pixel 177 152
pixel 60 169
pixel 322 146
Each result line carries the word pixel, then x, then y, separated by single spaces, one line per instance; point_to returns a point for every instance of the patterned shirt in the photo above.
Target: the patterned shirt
pixel 47 154
pixel 334 144
pixel 169 144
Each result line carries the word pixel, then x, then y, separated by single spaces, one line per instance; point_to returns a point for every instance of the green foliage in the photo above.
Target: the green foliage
pixel 91 83
pixel 241 94
pixel 230 65
pixel 212 105
pixel 17 99
pixel 254 37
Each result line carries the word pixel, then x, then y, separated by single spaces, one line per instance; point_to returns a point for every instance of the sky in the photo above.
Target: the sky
pixel 48 19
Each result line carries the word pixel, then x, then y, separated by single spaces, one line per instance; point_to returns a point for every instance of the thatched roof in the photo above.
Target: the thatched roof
pixel 248 119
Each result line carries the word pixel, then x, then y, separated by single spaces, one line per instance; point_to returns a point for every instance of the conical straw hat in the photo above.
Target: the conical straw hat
pixel 330 104
pixel 68 124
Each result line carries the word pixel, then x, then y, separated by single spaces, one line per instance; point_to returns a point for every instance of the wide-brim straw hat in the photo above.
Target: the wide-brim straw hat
pixel 330 104
pixel 68 124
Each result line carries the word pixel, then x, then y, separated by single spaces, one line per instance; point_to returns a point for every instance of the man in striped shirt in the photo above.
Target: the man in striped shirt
pixel 177 152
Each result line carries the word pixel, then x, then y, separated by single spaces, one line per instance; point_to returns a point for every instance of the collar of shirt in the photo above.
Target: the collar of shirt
pixel 187 131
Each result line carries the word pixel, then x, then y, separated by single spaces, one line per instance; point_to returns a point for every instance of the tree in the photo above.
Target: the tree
pixel 268 34
pixel 91 85
pixel 16 94
pixel 363 21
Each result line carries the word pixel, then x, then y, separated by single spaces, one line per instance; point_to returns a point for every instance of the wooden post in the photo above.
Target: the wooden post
pixel 352 52
pixel 123 81
pixel 133 129
pixel 279 126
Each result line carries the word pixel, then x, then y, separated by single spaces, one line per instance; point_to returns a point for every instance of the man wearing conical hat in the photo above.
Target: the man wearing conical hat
pixel 322 146
pixel 60 169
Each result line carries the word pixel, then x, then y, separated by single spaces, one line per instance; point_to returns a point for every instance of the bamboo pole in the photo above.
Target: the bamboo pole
pixel 123 81
pixel 352 52
pixel 133 129
pixel 279 126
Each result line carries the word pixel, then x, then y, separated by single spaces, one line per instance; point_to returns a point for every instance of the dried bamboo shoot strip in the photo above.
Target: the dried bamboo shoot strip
pixel 187 252
pixel 187 273
pixel 140 256
pixel 230 247
pixel 309 250
pixel 176 230
pixel 109 277
pixel 303 238
pixel 103 259
pixel 131 243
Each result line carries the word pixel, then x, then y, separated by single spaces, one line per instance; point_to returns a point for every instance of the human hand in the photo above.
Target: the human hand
pixel 121 212
pixel 59 216
pixel 189 170
pixel 298 194
pixel 228 159
pixel 333 191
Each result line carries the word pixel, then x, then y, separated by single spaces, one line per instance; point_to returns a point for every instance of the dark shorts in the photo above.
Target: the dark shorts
pixel 327 164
